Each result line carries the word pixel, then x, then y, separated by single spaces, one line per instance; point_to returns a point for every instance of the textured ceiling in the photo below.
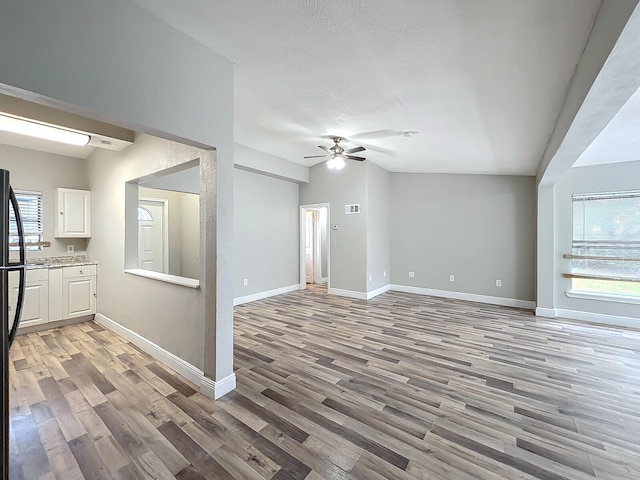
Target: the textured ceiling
pixel 482 81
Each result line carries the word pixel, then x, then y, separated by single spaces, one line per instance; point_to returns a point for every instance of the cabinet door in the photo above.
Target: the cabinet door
pixel 73 213
pixel 35 309
pixel 78 296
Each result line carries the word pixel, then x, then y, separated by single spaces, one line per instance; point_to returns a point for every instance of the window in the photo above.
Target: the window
pixel 605 250
pixel 144 215
pixel 30 204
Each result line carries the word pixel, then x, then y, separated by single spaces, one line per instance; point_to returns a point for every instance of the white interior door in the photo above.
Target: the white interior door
pixel 151 236
pixel 309 249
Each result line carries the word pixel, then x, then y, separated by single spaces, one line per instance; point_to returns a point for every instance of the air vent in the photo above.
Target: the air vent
pixel 351 209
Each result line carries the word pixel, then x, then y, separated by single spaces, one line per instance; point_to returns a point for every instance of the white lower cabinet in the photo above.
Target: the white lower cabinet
pixel 78 291
pixel 35 309
pixel 54 294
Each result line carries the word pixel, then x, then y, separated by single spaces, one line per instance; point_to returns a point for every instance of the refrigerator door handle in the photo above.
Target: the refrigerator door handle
pixel 21 266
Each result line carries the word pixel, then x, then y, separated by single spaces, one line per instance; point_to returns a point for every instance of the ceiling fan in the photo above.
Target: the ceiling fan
pixel 337 154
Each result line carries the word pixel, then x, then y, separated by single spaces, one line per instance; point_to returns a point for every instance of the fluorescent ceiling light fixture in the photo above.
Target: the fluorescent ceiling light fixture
pixel 39 130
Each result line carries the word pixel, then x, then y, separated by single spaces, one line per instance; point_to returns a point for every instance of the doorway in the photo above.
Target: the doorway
pixel 314 245
pixel 152 235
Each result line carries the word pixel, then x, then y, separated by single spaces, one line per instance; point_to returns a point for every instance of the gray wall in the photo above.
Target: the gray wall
pixel 44 172
pixel 378 227
pixel 252 160
pixel 266 238
pixel 133 70
pixel 348 250
pixel 169 315
pixel 190 238
pixel 594 179
pixel 479 228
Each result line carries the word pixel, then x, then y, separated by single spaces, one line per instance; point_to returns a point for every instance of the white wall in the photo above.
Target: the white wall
pixel 479 228
pixel 378 227
pixel 44 172
pixel 593 179
pixel 266 238
pixel 115 62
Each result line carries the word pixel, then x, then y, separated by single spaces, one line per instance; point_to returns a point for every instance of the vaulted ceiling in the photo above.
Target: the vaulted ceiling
pixel 482 82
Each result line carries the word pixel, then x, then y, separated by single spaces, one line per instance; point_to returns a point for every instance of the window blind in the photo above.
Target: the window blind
pixel 30 204
pixel 607 226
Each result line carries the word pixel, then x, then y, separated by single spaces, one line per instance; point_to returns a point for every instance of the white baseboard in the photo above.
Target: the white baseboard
pixel 266 294
pixel 378 291
pixel 208 387
pixel 470 297
pixel 224 386
pixel 598 318
pixel 546 312
pixel 347 293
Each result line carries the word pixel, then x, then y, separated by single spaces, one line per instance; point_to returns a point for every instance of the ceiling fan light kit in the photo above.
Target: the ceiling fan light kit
pixel 337 154
pixel 336 163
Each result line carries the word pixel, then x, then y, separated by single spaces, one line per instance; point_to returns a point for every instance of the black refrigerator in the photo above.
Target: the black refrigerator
pixel 10 228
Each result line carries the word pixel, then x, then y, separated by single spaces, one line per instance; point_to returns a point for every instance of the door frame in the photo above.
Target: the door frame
pixel 303 269
pixel 165 229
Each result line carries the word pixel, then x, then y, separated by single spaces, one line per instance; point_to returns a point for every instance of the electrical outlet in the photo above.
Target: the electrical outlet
pixel 246 282
pixel 370 278
pixel 384 274
pixel 498 283
pixel 452 278
pixel 412 274
pixel 71 248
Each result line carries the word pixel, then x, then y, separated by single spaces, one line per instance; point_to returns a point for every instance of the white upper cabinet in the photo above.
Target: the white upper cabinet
pixel 73 213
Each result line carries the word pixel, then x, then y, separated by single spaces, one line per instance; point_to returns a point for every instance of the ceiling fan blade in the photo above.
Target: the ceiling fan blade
pixel 317 156
pixel 352 157
pixel 326 149
pixel 355 150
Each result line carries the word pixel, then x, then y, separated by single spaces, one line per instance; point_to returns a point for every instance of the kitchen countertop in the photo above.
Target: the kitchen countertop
pixel 59 262
pixel 79 263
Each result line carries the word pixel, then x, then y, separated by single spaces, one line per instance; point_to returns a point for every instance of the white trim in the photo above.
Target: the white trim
pixel 323 280
pixel 546 312
pixel 347 293
pixel 164 277
pixel 208 387
pixel 378 291
pixel 268 293
pixel 603 297
pixel 174 362
pixel 598 318
pixel 470 297
pixel 224 386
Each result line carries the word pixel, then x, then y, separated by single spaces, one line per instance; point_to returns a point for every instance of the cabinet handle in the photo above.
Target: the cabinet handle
pixel 80 272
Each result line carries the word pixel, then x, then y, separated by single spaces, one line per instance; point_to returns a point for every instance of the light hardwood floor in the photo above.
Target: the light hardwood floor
pixel 400 386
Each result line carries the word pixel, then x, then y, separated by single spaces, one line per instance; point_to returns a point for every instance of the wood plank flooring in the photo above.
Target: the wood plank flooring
pixel 400 386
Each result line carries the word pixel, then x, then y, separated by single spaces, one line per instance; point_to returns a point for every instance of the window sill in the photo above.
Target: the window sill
pixel 165 277
pixel 606 297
